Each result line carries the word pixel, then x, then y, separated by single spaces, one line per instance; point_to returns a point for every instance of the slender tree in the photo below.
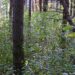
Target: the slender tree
pixel 45 5
pixel 70 7
pixel 29 25
pixel 64 12
pixel 29 10
pixel 33 5
pixel 40 5
pixel 68 18
pixel 18 53
pixel 63 40
pixel 74 8
pixel 11 9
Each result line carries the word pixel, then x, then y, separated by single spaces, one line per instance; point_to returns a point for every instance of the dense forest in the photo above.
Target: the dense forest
pixel 37 37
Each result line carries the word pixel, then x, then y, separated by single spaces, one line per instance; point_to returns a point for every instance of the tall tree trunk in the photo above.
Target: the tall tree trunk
pixel 63 40
pixel 11 9
pixel 40 5
pixel 64 12
pixel 68 18
pixel 29 25
pixel 29 11
pixel 45 5
pixel 18 53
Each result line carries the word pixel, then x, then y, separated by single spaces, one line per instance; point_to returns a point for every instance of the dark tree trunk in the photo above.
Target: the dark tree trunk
pixel 11 10
pixel 18 53
pixel 29 10
pixel 40 5
pixel 63 40
pixel 68 18
pixel 45 5
pixel 64 12
pixel 29 27
pixel 29 24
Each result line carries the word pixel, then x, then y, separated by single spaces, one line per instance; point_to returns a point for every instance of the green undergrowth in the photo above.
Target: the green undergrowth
pixel 42 45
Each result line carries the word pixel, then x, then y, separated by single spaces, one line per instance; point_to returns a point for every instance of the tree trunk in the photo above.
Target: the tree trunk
pixel 40 5
pixel 63 40
pixel 11 9
pixel 45 5
pixel 29 25
pixel 68 18
pixel 64 12
pixel 18 53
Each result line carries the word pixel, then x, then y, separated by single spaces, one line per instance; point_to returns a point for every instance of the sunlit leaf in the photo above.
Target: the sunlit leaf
pixel 71 35
pixel 67 28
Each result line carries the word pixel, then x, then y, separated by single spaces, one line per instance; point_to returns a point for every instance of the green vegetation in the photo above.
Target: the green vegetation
pixel 43 52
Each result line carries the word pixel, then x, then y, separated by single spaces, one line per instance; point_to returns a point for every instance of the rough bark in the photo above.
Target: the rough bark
pixel 18 53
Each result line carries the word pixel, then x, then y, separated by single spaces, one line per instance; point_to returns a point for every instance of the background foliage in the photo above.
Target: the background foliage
pixel 42 45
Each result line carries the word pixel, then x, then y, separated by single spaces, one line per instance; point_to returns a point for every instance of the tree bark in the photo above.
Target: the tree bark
pixel 18 53
pixel 40 5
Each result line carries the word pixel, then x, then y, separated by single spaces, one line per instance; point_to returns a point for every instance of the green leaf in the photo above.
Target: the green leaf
pixel 71 35
pixel 67 28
